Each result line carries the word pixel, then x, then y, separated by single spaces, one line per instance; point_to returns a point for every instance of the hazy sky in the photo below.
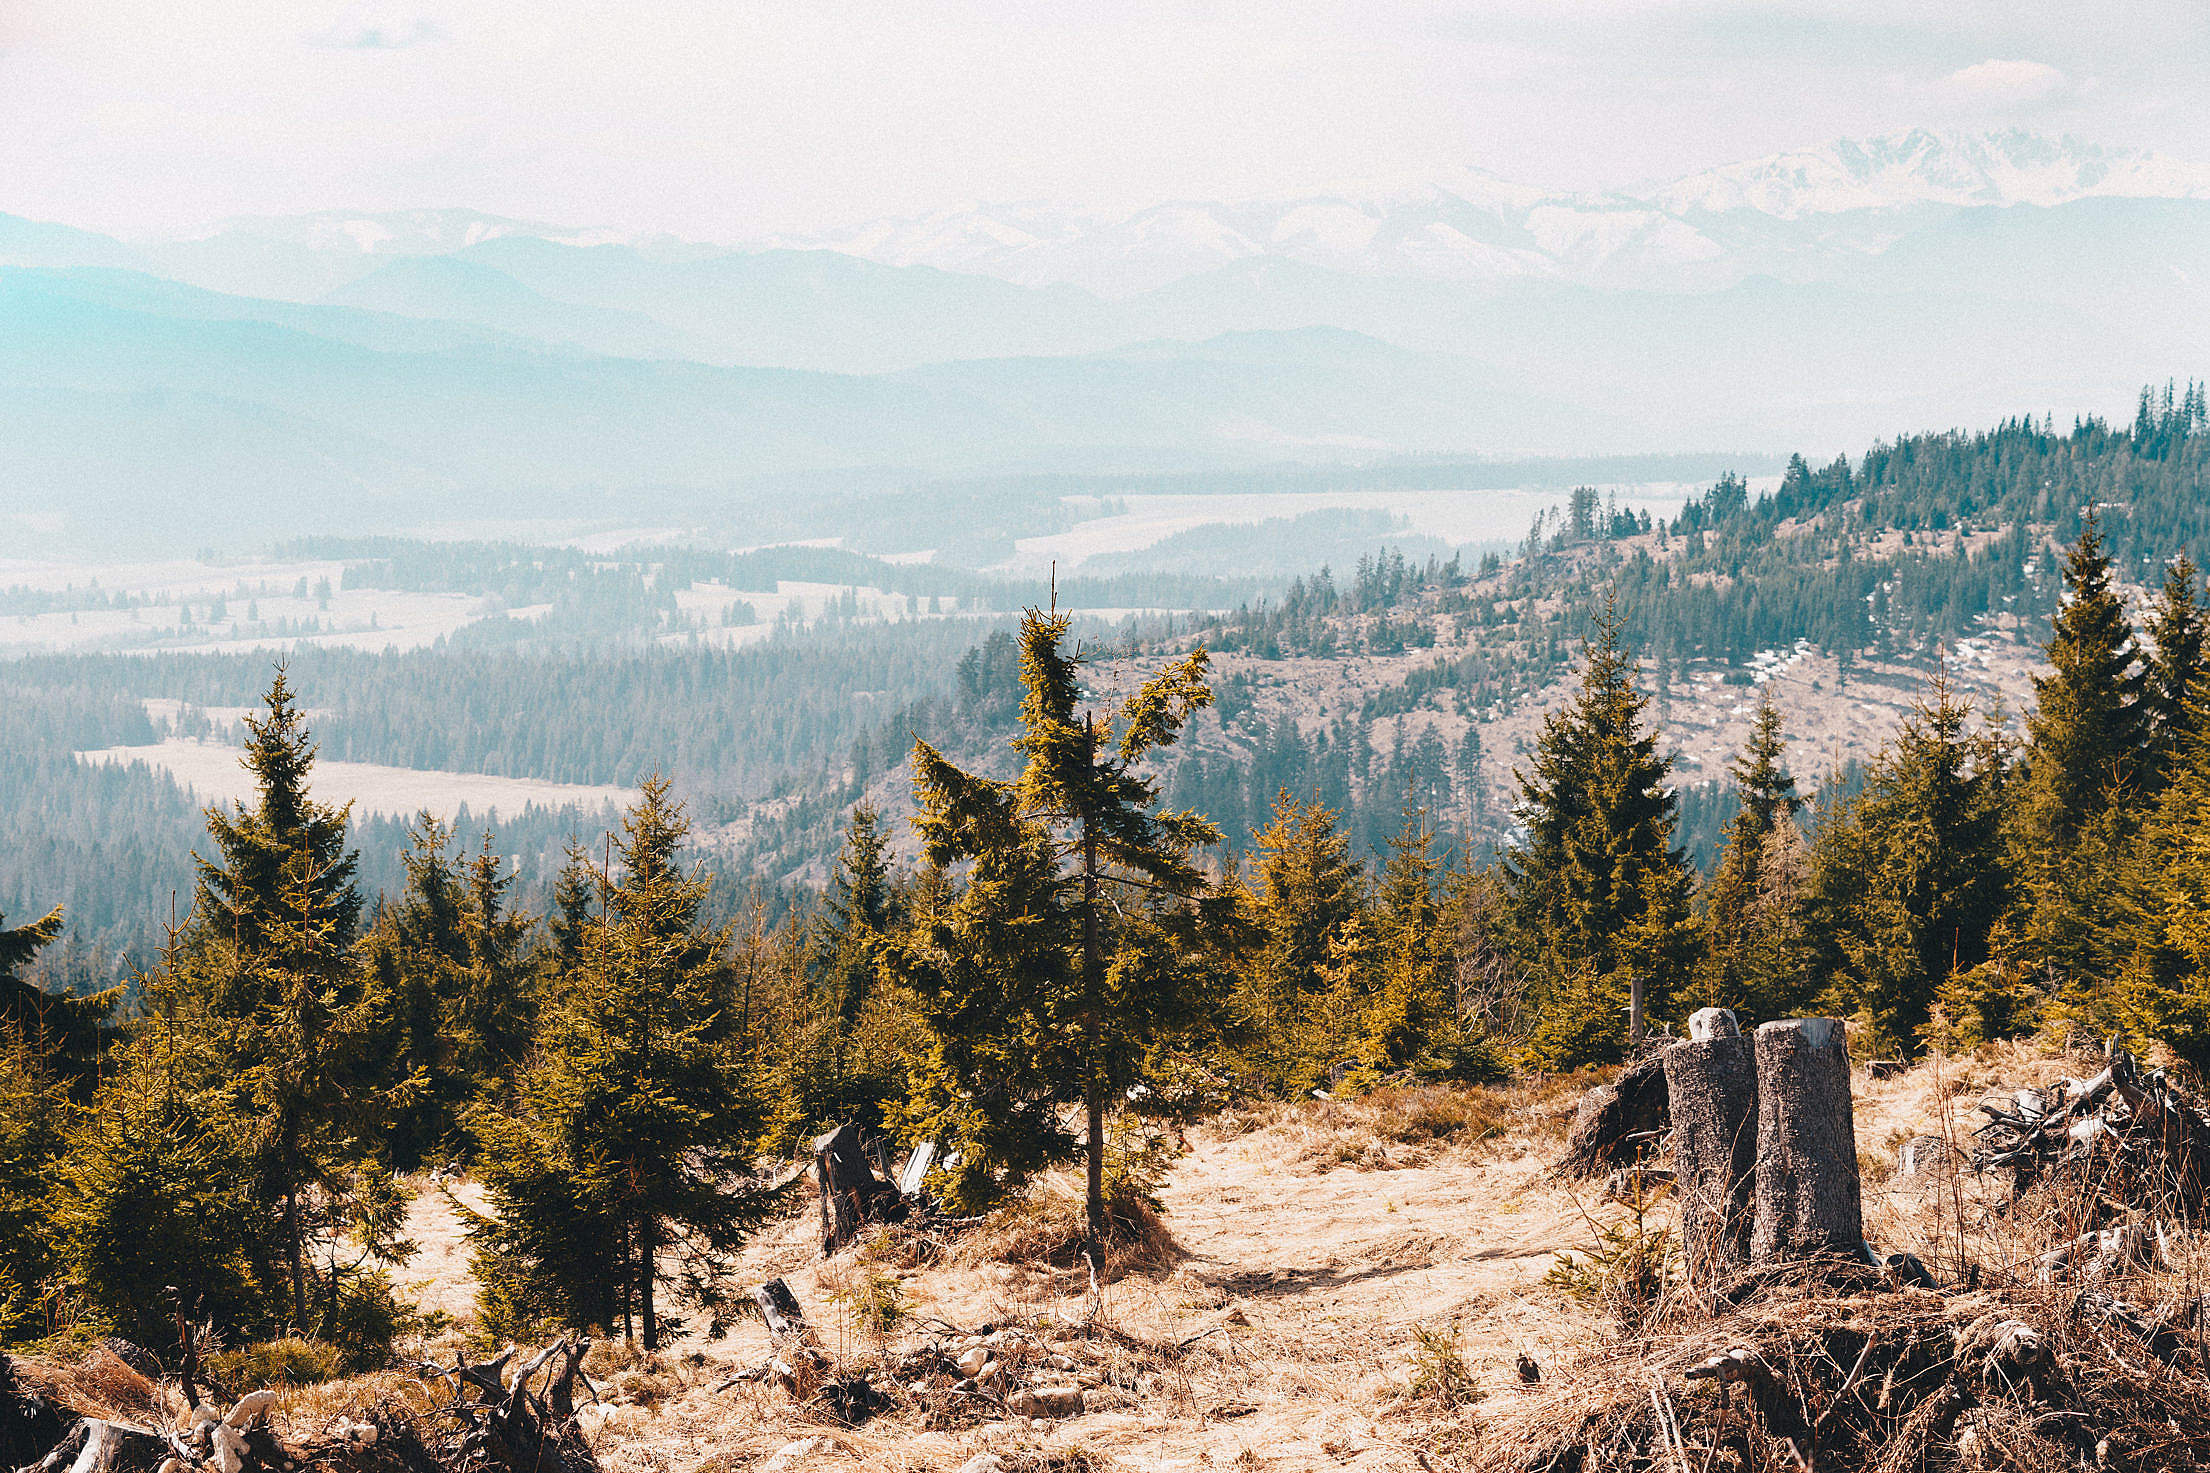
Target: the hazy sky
pixel 730 118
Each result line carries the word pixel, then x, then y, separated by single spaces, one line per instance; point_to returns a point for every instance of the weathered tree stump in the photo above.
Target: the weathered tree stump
pixel 1616 1121
pixel 1711 1092
pixel 98 1446
pixel 851 1194
pixel 1807 1189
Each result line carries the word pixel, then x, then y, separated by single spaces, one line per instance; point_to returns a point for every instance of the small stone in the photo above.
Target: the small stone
pixel 983 1463
pixel 790 1454
pixel 971 1362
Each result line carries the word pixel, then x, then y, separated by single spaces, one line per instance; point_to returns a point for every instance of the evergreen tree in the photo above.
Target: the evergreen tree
pixel 2084 762
pixel 1909 877
pixel 63 1033
pixel 1304 894
pixel 1598 894
pixel 265 980
pixel 1078 823
pixel 623 1160
pixel 33 1111
pixel 2176 626
pixel 1411 1013
pixel 1732 966
pixel 283 842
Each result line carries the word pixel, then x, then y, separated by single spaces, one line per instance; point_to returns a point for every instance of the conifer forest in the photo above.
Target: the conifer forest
pixel 1080 874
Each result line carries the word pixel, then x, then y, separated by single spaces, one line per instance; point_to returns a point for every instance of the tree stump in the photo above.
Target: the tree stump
pixel 1807 1190
pixel 851 1194
pixel 1616 1121
pixel 1711 1092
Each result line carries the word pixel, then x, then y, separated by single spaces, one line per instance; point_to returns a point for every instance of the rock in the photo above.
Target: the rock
pixel 970 1362
pixel 790 1454
pixel 252 1409
pixel 983 1463
pixel 1705 1024
pixel 230 1448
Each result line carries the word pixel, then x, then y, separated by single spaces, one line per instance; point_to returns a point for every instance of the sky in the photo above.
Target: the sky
pixel 735 119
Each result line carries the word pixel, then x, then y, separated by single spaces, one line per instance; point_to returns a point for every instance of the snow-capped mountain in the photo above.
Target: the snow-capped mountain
pixel 1696 232
pixel 1925 168
pixel 397 232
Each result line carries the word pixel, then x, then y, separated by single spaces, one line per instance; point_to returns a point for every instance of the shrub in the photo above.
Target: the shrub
pixel 290 1361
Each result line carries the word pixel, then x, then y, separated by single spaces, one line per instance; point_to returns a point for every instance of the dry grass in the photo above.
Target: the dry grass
pixel 1401 1126
pixel 1044 1229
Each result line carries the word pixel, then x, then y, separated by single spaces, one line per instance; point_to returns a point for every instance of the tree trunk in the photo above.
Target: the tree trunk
pixel 1807 1188
pixel 851 1194
pixel 646 1251
pixel 1093 1084
pixel 292 1230
pixel 1711 1095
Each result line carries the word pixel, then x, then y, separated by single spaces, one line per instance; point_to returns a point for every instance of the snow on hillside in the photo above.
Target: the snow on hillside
pixel 1471 226
pixel 1921 167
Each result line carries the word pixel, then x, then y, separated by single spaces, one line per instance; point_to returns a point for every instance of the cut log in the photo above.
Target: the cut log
pixel 97 1446
pixel 852 1195
pixel 1617 1122
pixel 1711 1095
pixel 29 1423
pixel 779 1307
pixel 1808 1202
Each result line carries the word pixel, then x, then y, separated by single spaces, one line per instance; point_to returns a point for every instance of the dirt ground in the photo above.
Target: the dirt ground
pixel 1316 1254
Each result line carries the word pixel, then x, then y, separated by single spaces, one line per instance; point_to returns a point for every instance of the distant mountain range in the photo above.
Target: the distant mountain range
pixel 342 371
pixel 1850 198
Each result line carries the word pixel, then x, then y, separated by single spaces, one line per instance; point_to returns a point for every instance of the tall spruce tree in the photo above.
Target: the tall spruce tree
pixel 2176 627
pixel 622 1165
pixel 1599 895
pixel 1729 973
pixel 2085 764
pixel 1909 877
pixel 266 980
pixel 1053 849
pixel 1304 893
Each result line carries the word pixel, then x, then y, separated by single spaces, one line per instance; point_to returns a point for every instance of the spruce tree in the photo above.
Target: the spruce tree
pixel 2176 627
pixel 1728 972
pixel 1598 893
pixel 2090 727
pixel 623 1161
pixel 1411 1013
pixel 1304 894
pixel 1909 877
pixel 2085 761
pixel 265 980
pixel 1075 830
pixel 284 841
pixel 63 1033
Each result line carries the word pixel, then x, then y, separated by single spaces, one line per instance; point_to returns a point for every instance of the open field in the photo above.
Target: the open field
pixel 1322 1254
pixel 212 771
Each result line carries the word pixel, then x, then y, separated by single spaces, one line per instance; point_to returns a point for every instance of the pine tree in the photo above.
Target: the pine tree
pixel 1909 877
pixel 2084 766
pixel 1076 827
pixel 1727 973
pixel 265 979
pixel 1304 894
pixel 1598 894
pixel 1411 1014
pixel 64 1033
pixel 2176 627
pixel 623 1159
